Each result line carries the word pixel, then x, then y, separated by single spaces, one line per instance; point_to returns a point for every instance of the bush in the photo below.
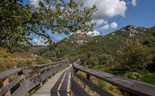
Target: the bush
pixel 133 75
pixel 149 77
pixel 108 87
pixel 105 59
pixel 134 56
pixel 42 60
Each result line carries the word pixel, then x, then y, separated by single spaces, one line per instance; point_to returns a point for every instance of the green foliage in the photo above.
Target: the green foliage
pixel 116 70
pixel 118 54
pixel 133 75
pixel 18 21
pixel 42 60
pixel 114 52
pixel 9 62
pixel 3 53
pixel 134 56
pixel 19 59
pixel 12 18
pixel 148 77
pixel 141 76
pixel 108 87
pixel 106 59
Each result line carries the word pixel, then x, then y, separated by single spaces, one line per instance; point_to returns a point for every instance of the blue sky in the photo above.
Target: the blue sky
pixel 143 14
pixel 114 14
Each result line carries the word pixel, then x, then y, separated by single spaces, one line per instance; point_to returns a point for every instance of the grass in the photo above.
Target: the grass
pixel 104 85
pixel 10 60
pixel 148 78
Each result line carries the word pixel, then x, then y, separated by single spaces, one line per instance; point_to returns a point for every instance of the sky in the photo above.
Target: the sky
pixel 111 15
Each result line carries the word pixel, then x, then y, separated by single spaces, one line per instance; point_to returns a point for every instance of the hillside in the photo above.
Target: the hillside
pixel 126 52
pixel 19 58
pixel 129 52
pixel 81 45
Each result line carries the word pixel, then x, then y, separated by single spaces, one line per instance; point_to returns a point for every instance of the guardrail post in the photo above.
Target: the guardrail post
pixel 88 78
pixel 21 73
pixel 76 70
pixel 126 93
pixel 6 82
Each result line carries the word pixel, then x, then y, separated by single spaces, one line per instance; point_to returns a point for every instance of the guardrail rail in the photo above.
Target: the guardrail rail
pixel 128 87
pixel 19 81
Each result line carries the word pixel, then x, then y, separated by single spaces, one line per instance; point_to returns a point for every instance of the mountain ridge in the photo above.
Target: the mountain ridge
pixel 91 49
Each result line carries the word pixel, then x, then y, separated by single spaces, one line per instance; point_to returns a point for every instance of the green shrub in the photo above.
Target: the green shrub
pixel 134 56
pixel 3 53
pixel 149 77
pixel 133 75
pixel 116 70
pixel 108 87
pixel 42 60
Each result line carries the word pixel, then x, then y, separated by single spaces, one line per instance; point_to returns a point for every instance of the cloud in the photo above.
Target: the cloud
pixel 99 21
pixel 93 33
pixel 105 27
pixel 113 25
pixel 106 8
pixel 133 3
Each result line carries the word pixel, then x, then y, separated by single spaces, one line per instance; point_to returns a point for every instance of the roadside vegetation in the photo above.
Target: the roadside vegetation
pixel 20 21
pixel 116 53
pixel 19 59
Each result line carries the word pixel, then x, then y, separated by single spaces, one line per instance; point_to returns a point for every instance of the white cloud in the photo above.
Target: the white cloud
pixel 99 21
pixel 113 25
pixel 133 3
pixel 105 27
pixel 93 33
pixel 106 8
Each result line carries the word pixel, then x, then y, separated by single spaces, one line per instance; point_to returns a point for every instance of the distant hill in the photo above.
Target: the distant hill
pixel 96 47
pixel 104 52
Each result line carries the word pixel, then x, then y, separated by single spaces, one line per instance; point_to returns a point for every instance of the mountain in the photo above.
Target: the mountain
pixel 133 29
pixel 104 53
pixel 93 49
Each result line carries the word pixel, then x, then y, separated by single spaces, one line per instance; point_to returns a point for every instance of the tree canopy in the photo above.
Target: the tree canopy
pixel 18 21
pixel 134 55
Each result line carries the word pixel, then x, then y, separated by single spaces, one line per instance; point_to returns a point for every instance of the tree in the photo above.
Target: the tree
pixel 12 18
pixel 134 56
pixel 18 21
